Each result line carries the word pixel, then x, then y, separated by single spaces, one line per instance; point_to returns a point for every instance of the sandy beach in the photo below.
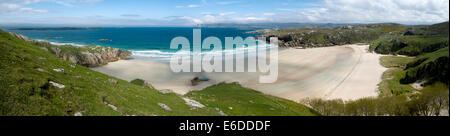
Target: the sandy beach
pixel 346 72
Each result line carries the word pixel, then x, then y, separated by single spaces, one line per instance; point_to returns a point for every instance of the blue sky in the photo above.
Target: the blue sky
pixel 191 12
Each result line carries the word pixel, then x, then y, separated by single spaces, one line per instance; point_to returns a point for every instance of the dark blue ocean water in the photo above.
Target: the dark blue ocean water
pixel 143 41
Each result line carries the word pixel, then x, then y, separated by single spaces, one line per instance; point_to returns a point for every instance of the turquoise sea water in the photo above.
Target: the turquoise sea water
pixel 142 41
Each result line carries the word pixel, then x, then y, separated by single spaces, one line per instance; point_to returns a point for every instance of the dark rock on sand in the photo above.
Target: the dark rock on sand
pixel 198 80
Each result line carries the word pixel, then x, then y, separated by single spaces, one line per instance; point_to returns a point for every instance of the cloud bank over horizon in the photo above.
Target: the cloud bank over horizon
pixel 193 12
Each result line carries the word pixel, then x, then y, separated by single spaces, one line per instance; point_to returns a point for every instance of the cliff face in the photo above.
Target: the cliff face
pixel 89 56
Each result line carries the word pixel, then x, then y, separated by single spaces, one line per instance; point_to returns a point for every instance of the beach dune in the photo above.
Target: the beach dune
pixel 347 72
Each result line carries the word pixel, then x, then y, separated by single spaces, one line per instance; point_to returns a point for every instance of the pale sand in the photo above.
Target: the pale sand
pixel 346 72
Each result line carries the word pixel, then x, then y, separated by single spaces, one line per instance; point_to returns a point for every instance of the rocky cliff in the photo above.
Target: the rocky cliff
pixel 89 56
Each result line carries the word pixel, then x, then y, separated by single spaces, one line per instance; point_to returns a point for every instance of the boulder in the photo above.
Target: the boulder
pixel 198 80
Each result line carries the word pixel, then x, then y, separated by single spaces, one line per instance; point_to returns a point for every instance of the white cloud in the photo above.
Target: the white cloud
pixel 16 8
pixel 194 20
pixel 227 13
pixel 188 6
pixel 130 15
pixel 269 14
pixel 22 6
pixel 370 11
pixel 228 17
pixel 346 11
pixel 324 11
pixel 227 2
pixel 192 6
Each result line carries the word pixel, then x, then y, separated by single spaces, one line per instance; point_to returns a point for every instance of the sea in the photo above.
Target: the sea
pixel 143 42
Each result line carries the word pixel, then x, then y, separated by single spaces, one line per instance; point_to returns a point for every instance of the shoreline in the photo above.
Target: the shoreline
pixel 347 72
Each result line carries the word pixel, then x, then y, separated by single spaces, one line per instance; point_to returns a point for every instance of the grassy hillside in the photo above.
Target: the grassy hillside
pixel 429 44
pixel 390 84
pixel 416 40
pixel 429 68
pixel 33 81
pixel 432 67
pixel 436 29
pixel 235 100
pixel 409 45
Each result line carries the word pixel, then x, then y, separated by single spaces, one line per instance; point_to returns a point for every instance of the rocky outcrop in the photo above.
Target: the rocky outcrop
pixel 92 58
pixel 21 37
pixel 89 56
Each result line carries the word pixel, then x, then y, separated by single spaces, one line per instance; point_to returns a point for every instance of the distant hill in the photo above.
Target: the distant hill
pixel 436 29
pixel 416 40
pixel 429 44
pixel 308 37
pixel 271 25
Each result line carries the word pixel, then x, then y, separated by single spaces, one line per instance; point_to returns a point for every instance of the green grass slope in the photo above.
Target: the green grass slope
pixel 390 84
pixel 436 29
pixel 409 45
pixel 28 74
pixel 235 100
